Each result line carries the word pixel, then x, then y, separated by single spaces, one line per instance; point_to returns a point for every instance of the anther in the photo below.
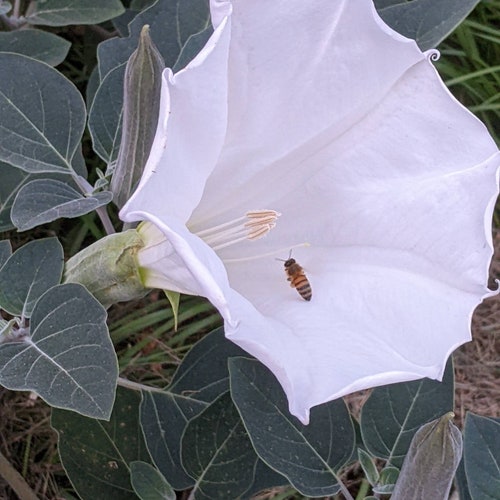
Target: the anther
pixel 254 225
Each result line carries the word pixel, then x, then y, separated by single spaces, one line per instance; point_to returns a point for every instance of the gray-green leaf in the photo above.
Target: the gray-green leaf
pixel 64 12
pixel 28 274
pixel 368 466
pixel 393 413
pixel 172 22
pixel 426 21
pixel 309 456
pixel 105 115
pixel 482 456
pixel 12 180
pixel 45 200
pixel 42 116
pixel 148 482
pixel 217 452
pixel 163 419
pixel 96 455
pixel 5 251
pixel 69 359
pixel 200 379
pixel 40 45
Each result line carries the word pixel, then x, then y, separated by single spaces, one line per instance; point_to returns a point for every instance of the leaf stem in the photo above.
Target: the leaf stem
pixel 136 386
pixel 85 187
pixel 345 491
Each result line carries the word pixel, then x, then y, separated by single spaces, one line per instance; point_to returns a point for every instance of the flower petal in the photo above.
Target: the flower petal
pixel 191 130
pixel 182 262
pixel 300 73
pixel 345 128
pixel 384 324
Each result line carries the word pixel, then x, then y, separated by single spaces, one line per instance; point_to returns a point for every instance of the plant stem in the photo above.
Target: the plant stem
pixel 123 382
pixel 15 480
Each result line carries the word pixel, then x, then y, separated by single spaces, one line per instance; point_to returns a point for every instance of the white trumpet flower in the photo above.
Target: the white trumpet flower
pixel 384 185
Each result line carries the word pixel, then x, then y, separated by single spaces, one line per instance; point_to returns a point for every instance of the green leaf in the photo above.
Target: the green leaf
pixel 482 456
pixel 216 451
pixel 368 467
pixel 461 480
pixel 5 251
pixel 45 200
pixel 174 298
pixel 42 116
pixel 37 44
pixel 106 115
pixel 393 413
pixel 203 373
pixel 12 180
pixel 163 419
pixel 148 483
pixel 97 455
pixel 308 455
pixel 430 464
pixel 426 21
pixel 172 22
pixel 191 48
pixel 28 274
pixel 64 12
pixel 69 359
pixel 171 25
pixel 264 478
pixel 201 378
pixel 388 478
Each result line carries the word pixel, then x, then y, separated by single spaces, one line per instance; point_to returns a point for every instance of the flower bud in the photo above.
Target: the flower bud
pixel 141 101
pixel 431 462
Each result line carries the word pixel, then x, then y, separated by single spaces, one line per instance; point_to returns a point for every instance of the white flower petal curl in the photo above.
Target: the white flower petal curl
pixel 351 135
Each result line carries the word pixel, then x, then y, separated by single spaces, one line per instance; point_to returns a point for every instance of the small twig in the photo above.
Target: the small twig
pixel 15 480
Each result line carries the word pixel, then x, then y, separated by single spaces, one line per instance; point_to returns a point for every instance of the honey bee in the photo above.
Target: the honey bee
pixel 297 278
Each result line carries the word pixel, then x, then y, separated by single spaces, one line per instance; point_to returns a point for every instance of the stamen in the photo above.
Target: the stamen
pixel 254 225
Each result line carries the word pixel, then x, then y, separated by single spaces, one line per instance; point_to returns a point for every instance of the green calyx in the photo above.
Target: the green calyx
pixel 109 269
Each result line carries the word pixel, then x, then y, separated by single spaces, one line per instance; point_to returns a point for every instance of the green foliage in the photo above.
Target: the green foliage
pixel 68 359
pixel 28 274
pixel 482 456
pixel 148 483
pixel 37 44
pixel 45 200
pixel 217 452
pixel 388 434
pixel 426 21
pixel 310 456
pixel 171 26
pixel 96 454
pixel 64 12
pixel 469 64
pixel 42 115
